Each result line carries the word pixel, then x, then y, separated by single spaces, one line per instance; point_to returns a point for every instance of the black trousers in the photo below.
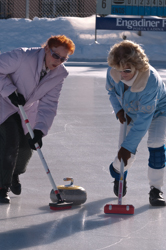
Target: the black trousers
pixel 15 152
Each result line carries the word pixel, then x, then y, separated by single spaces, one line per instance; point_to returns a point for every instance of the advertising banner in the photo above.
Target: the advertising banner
pixel 122 23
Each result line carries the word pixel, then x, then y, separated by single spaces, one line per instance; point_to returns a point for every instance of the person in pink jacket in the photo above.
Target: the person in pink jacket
pixel 36 75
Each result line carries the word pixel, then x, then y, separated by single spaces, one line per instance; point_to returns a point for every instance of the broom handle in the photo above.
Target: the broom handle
pixel 120 193
pixel 38 150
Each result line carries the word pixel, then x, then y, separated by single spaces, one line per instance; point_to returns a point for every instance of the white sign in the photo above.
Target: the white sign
pixel 103 7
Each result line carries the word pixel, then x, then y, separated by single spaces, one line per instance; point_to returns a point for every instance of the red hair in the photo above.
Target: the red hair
pixel 61 40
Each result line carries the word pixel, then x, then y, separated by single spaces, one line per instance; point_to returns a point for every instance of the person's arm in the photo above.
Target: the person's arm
pixel 146 108
pixel 47 109
pixel 111 92
pixel 9 63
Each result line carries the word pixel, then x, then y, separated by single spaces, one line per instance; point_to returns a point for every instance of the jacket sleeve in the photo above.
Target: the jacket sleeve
pixel 146 109
pixel 9 63
pixel 111 92
pixel 47 108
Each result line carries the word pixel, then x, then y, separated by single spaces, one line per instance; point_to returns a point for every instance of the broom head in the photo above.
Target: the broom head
pixel 118 209
pixel 60 206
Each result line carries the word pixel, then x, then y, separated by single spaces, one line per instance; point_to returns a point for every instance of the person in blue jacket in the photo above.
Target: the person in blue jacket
pixel 136 89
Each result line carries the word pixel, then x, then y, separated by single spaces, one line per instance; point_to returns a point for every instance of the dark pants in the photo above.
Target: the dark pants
pixel 15 152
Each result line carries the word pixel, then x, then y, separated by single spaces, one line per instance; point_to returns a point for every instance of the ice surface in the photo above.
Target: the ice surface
pixel 81 144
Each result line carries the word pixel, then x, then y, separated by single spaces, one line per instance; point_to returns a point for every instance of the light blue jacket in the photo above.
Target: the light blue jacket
pixel 143 101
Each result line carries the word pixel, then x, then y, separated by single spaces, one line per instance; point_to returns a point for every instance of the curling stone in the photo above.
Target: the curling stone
pixel 70 193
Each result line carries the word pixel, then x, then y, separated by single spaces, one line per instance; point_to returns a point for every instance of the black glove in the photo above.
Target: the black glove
pixel 124 154
pixel 38 134
pixel 121 117
pixel 17 99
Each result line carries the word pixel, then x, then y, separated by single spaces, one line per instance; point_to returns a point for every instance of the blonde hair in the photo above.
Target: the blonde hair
pixel 128 54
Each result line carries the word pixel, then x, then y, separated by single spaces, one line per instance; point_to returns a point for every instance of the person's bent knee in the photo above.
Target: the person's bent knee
pixel 157 157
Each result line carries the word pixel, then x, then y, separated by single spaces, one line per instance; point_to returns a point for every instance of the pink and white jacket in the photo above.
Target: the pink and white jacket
pixel 20 71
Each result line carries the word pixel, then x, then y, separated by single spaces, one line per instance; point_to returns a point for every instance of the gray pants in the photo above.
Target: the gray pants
pixel 15 152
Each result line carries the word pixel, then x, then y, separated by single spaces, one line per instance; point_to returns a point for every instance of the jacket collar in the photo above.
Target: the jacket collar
pixel 50 73
pixel 138 85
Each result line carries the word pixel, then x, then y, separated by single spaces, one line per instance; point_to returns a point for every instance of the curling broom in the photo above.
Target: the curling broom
pixel 60 203
pixel 119 208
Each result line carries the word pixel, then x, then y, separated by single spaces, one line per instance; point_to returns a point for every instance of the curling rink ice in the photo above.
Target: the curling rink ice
pixel 81 144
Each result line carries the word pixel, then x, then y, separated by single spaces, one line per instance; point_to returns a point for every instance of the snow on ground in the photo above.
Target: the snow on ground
pixel 32 33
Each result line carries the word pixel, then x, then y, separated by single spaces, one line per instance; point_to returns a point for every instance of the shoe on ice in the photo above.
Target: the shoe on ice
pixel 16 185
pixel 4 197
pixel 116 187
pixel 156 198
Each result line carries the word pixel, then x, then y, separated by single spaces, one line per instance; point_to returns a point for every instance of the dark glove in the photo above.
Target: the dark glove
pixel 124 154
pixel 17 99
pixel 121 117
pixel 38 134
